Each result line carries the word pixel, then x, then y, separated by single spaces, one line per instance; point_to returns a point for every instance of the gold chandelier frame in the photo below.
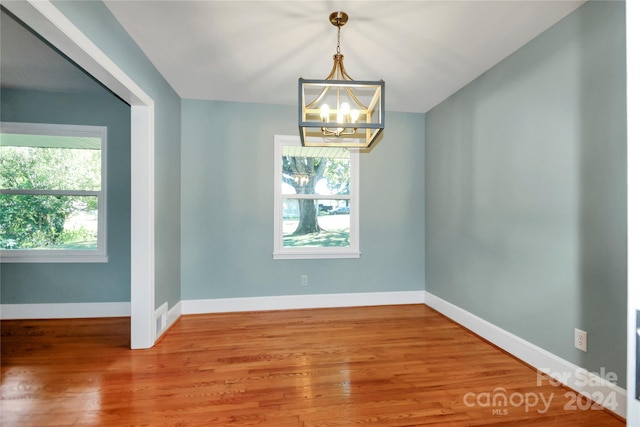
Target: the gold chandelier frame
pixel 326 114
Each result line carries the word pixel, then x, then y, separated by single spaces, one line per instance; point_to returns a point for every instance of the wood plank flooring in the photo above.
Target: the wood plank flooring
pixel 383 366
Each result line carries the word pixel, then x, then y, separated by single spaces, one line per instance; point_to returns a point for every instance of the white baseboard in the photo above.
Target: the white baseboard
pixel 171 317
pixel 160 317
pixel 65 310
pixel 174 314
pixel 165 317
pixel 567 373
pixel 291 302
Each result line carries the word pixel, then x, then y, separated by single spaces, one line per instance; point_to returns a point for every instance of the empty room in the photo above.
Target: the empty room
pixel 318 213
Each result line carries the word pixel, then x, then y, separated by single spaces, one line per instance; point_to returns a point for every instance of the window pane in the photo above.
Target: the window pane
pixel 48 222
pixel 323 223
pixel 316 170
pixel 41 168
pixel 316 216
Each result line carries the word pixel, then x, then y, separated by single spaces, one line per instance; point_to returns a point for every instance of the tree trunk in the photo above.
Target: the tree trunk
pixel 299 168
pixel 308 218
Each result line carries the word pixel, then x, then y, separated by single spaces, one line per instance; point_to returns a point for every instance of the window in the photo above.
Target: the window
pixel 52 193
pixel 316 201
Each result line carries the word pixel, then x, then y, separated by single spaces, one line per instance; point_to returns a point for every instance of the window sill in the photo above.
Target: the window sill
pixel 52 258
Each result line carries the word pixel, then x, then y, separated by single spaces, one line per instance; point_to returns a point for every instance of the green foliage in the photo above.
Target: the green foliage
pixel 32 221
pixel 38 221
pixel 338 175
pixel 49 168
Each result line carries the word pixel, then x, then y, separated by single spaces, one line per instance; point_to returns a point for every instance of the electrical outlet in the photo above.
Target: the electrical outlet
pixel 580 340
pixel 304 280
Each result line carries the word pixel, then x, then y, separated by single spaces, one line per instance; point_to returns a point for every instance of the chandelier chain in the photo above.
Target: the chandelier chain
pixel 338 45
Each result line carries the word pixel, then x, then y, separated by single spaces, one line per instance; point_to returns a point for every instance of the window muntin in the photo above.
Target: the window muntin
pixel 52 193
pixel 316 201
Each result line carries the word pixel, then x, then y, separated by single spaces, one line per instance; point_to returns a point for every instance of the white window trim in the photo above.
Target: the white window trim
pixel 281 252
pixel 98 255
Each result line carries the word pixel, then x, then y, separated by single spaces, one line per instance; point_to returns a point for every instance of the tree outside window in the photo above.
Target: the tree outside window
pixel 52 198
pixel 316 212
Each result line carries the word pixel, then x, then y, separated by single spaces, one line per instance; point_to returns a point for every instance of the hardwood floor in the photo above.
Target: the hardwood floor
pixel 385 366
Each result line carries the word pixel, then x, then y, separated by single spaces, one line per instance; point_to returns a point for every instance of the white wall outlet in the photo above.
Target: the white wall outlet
pixel 304 280
pixel 580 340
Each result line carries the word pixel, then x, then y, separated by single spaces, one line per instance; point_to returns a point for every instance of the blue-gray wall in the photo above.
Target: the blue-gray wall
pixel 227 208
pixel 520 176
pixel 96 21
pixel 85 282
pixel 526 191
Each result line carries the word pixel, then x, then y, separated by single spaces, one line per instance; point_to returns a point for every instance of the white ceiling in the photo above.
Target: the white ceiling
pixel 255 51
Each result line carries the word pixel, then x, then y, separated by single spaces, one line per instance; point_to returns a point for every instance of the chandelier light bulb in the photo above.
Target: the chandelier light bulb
pixel 324 112
pixel 345 112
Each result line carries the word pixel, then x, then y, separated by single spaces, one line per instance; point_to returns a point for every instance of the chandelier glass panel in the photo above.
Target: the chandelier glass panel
pixel 340 111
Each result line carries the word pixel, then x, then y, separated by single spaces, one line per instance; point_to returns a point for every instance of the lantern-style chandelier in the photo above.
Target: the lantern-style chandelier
pixel 340 111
